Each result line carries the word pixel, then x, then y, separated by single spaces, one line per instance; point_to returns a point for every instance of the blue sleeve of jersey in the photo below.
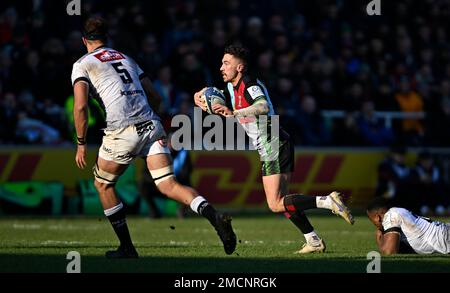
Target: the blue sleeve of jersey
pixel 228 98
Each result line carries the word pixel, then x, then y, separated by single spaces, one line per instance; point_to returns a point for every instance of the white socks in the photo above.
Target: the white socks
pixel 113 210
pixel 323 202
pixel 195 203
pixel 312 238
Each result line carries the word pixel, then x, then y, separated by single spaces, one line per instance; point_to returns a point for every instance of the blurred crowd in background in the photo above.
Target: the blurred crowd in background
pixel 315 57
pixel 421 187
pixel 312 56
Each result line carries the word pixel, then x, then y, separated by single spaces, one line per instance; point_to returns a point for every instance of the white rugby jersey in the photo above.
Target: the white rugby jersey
pixel 115 79
pixel 422 234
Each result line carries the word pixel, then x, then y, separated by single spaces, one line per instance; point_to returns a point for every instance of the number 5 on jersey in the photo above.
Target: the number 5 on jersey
pixel 124 74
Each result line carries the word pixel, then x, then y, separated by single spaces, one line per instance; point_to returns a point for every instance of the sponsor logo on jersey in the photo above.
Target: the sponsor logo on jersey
pixel 106 56
pixel 144 127
pixel 255 92
pixel 132 93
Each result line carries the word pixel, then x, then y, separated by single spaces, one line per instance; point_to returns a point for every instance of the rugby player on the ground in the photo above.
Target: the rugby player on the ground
pixel 400 231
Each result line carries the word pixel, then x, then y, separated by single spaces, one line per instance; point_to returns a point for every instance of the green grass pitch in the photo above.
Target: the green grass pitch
pixel 266 245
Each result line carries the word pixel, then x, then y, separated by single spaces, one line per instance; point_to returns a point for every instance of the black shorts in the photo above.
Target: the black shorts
pixel 284 161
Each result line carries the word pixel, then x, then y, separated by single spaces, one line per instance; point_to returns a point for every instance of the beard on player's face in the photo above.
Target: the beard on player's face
pixel 230 76
pixel 227 77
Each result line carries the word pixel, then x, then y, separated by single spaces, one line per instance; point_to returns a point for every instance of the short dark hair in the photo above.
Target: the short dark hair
pixel 378 203
pixel 95 28
pixel 238 51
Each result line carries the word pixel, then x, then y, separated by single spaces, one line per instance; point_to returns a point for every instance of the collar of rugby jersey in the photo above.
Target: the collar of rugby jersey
pixel 99 47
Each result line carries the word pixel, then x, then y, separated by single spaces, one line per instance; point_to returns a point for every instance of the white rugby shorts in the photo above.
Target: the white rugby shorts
pixel 143 139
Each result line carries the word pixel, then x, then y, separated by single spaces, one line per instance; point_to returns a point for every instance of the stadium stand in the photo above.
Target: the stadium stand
pixel 303 50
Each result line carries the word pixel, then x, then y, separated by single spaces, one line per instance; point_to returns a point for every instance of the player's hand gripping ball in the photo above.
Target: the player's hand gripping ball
pixel 212 96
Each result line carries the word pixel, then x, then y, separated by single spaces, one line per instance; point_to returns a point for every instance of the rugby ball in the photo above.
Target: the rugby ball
pixel 212 96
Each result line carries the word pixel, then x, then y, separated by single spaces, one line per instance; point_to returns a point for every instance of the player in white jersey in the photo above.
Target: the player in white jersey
pixel 250 102
pixel 400 231
pixel 132 130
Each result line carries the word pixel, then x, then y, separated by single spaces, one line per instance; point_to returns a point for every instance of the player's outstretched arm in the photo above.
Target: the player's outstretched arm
pixel 388 243
pixel 80 117
pixel 198 100
pixel 154 98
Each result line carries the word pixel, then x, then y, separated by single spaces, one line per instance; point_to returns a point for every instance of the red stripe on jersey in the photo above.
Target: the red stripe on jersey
pixel 240 102
pixel 108 55
pixel 287 215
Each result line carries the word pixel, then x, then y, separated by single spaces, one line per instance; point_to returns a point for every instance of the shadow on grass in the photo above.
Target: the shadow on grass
pixel 34 263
